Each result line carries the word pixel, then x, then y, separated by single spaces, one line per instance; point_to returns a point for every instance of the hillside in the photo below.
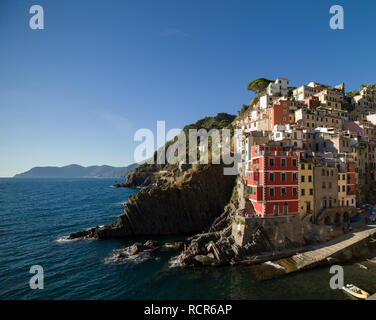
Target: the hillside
pixel 146 174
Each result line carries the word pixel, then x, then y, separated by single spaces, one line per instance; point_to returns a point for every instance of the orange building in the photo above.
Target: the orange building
pixel 312 102
pixel 278 114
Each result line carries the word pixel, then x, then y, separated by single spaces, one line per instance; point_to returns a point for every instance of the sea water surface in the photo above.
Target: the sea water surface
pixel 36 215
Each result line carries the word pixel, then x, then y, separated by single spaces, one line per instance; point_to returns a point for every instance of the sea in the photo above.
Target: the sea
pixel 36 215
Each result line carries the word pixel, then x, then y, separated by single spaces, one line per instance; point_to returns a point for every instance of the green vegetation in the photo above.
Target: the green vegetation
pixel 258 85
pixel 244 109
pixel 220 121
pixel 234 196
pixel 369 86
pixel 290 91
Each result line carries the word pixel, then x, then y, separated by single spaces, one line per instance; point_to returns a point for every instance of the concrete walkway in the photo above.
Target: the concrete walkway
pixel 372 297
pixel 324 251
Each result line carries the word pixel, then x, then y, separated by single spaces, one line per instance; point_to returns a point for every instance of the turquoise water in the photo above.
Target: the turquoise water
pixel 35 215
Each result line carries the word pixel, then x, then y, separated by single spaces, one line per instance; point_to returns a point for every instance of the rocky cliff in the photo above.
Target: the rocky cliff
pixel 230 241
pixel 173 204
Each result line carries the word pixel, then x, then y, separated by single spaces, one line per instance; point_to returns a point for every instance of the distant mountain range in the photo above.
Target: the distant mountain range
pixel 77 171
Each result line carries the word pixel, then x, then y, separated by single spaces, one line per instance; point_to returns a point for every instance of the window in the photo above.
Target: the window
pixel 311 192
pixel 294 191
pixel 309 167
pixel 271 192
pixel 271 162
pixel 302 178
pixel 283 176
pixel 323 172
pixel 330 185
pixel 283 191
pixel 309 178
pixel 283 162
pixel 323 185
pixel 302 166
pixel 294 162
pixel 294 177
pixel 271 177
pixel 303 192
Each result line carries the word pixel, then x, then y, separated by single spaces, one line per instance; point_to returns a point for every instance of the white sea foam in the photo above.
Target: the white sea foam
pixel 65 239
pixel 362 266
pixel 124 255
pixel 275 265
pixel 174 262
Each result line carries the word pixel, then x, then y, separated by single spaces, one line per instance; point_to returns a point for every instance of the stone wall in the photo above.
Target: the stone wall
pixel 283 232
pixel 336 216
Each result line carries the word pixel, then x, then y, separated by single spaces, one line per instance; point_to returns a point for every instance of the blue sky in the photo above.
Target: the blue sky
pixel 77 91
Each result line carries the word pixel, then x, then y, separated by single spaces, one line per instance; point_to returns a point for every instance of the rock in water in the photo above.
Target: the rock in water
pixel 205 260
pixel 150 244
pixel 137 248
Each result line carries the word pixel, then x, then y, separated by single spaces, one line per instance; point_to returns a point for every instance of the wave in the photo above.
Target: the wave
pixel 275 265
pixel 124 255
pixel 174 262
pixel 65 239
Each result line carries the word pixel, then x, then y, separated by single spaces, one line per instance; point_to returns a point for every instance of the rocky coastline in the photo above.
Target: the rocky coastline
pixel 187 203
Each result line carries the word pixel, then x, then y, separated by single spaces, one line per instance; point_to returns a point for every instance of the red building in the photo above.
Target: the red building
pixel 278 114
pixel 350 178
pixel 272 178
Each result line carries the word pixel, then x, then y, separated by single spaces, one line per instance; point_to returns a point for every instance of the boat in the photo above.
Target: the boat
pixel 354 291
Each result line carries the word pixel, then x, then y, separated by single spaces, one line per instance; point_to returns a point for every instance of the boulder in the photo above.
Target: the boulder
pixel 205 260
pixel 137 248
pixel 150 244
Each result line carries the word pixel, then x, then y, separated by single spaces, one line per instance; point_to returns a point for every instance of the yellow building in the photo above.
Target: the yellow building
pixel 360 155
pixel 306 201
pixel 330 97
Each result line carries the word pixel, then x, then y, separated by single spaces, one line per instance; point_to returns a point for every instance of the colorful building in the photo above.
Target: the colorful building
pixel 325 186
pixel 347 185
pixel 307 194
pixel 272 177
pixel 279 114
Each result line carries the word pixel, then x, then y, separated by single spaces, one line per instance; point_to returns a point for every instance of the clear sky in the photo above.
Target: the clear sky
pixel 77 91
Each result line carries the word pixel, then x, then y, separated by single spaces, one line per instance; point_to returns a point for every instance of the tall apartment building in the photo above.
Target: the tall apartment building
pixel 325 186
pixel 278 114
pixel 347 185
pixel 272 177
pixel 307 194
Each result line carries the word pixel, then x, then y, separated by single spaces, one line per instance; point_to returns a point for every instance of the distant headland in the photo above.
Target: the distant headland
pixel 77 171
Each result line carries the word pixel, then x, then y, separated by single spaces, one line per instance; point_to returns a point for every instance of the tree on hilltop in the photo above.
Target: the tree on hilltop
pixel 258 85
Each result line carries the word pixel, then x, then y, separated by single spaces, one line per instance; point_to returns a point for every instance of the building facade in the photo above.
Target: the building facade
pixel 272 176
